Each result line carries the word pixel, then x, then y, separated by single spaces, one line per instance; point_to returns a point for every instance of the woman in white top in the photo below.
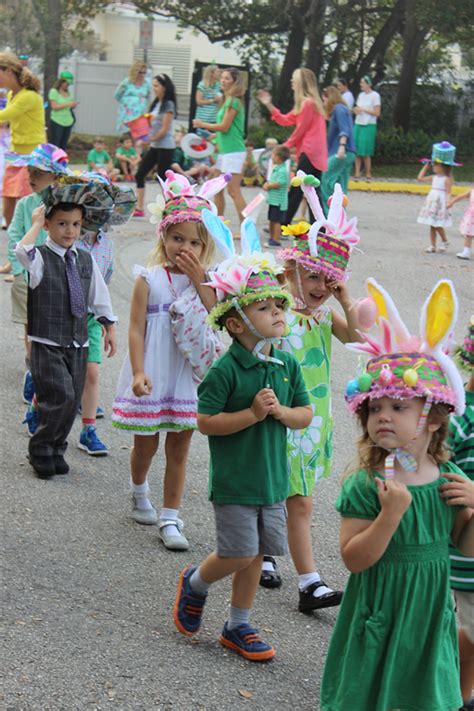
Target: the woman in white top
pixel 347 95
pixel 367 111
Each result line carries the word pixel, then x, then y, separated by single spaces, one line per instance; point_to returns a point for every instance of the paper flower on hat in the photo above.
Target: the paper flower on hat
pixel 156 209
pixel 301 228
pixel 230 280
pixel 404 365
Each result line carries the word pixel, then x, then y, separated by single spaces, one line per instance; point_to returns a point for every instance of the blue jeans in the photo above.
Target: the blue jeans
pixel 59 135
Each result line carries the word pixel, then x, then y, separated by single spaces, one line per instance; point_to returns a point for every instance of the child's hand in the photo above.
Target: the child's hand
pixel 450 203
pixel 197 123
pixel 459 491
pixel 265 186
pixel 276 409
pixel 141 385
pixel 188 263
pixel 394 497
pixel 38 215
pixel 110 340
pixel 340 291
pixel 263 403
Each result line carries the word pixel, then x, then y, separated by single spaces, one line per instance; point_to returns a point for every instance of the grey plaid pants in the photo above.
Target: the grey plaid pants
pixel 59 375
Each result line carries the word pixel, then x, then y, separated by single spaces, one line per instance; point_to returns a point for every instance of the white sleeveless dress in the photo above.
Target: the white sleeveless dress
pixel 434 212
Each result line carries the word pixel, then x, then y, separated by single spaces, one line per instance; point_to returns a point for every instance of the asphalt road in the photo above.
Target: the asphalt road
pixel 87 593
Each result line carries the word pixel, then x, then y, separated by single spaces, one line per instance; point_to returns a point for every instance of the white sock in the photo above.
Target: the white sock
pixel 238 616
pixel 170 515
pixel 308 579
pixel 197 583
pixel 141 491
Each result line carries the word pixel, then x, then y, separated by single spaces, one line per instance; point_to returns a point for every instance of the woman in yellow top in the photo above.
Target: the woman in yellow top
pixel 25 114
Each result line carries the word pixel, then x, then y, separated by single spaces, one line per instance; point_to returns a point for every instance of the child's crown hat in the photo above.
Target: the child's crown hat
pixel 464 354
pixel 243 278
pixel 180 202
pixel 326 245
pixel 45 156
pixel 405 366
pixel 93 195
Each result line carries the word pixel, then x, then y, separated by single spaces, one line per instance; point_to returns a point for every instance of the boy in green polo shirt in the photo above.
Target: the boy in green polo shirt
pixel 276 188
pixel 246 402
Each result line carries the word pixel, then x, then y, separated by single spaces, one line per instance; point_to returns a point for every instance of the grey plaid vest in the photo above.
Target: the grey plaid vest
pixel 49 311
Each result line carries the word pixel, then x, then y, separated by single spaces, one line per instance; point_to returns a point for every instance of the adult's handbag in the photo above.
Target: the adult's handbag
pixel 196 340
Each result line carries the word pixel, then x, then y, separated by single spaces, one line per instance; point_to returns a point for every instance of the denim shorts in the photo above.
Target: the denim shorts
pixel 244 531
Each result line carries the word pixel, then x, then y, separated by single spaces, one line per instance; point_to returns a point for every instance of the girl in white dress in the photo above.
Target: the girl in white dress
pixel 435 211
pixel 157 391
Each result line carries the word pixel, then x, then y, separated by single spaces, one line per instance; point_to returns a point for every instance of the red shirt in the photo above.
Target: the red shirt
pixel 309 136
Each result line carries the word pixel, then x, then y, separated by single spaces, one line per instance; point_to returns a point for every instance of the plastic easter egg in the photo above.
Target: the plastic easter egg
pixel 296 182
pixel 386 376
pixel 352 387
pixel 175 187
pixel 366 313
pixel 345 201
pixel 365 382
pixel 410 377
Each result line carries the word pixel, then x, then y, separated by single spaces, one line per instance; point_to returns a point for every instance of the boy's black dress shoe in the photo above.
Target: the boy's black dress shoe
pixel 60 464
pixel 43 466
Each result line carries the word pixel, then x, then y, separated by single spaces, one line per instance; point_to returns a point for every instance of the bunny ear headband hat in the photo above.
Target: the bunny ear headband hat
pixel 405 366
pixel 326 245
pixel 242 279
pixel 180 202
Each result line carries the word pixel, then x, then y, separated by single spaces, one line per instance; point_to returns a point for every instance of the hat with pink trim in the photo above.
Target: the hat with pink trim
pixel 46 157
pixel 179 201
pixel 326 245
pixel 404 366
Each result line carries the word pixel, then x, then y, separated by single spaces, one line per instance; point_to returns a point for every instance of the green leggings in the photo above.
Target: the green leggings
pixel 338 171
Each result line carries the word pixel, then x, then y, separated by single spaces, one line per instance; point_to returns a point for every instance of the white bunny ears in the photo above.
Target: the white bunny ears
pixel 405 365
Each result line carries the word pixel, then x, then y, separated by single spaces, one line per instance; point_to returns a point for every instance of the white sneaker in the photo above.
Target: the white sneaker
pixel 430 249
pixel 147 517
pixel 443 246
pixel 171 540
pixel 465 254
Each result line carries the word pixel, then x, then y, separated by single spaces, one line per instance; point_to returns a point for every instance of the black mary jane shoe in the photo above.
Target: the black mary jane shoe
pixel 270 578
pixel 308 602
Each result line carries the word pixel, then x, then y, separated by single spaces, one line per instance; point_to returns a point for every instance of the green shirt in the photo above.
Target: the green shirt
pixel 20 225
pixel 249 467
pixel 279 196
pixel 233 140
pixel 97 157
pixel 461 441
pixel 126 152
pixel 63 117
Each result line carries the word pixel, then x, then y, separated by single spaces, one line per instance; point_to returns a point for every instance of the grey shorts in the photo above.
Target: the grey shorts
pixel 245 531
pixel 19 294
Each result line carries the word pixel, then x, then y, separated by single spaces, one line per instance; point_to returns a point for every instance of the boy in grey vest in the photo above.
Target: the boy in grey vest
pixel 63 283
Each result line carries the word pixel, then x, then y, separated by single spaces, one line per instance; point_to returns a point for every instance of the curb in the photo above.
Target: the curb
pixel 382 186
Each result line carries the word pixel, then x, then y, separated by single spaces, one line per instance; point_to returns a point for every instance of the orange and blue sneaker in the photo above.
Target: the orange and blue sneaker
pixel 188 606
pixel 246 641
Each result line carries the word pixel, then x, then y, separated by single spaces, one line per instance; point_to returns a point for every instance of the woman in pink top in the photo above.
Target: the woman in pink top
pixel 309 136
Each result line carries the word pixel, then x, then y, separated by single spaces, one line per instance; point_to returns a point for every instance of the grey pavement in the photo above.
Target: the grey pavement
pixel 87 593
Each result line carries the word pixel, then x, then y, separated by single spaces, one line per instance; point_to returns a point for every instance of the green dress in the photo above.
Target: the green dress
pixel 310 450
pixel 394 645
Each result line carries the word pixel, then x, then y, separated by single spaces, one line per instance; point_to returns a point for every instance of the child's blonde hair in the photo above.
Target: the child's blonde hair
pixel 158 256
pixel 370 456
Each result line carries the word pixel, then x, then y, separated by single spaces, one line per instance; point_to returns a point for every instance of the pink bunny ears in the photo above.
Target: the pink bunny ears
pixel 403 365
pixel 180 202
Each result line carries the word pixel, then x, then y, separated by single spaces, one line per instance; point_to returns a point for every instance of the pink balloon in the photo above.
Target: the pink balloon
pixel 366 313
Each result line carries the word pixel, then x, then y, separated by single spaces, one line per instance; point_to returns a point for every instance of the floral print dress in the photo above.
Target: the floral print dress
pixel 310 449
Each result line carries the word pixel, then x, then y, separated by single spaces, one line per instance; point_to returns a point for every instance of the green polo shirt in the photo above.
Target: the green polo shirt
pixel 250 467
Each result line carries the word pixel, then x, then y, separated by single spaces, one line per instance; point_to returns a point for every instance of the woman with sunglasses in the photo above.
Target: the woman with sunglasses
pixel 132 94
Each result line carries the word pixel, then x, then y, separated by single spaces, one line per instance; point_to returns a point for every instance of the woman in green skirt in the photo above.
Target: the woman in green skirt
pixel 367 111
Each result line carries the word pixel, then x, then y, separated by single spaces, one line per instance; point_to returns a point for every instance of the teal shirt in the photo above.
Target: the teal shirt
pixel 279 196
pixel 249 467
pixel 20 225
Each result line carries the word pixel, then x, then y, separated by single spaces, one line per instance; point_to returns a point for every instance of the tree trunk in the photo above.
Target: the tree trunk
pixel 52 44
pixel 293 60
pixel 381 43
pixel 413 38
pixel 316 22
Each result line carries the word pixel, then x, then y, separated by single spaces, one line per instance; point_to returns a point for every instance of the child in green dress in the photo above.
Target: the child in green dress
pixel 316 269
pixel 394 645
